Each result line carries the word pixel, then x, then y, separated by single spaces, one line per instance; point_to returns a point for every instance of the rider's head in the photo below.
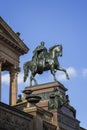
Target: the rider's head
pixel 42 43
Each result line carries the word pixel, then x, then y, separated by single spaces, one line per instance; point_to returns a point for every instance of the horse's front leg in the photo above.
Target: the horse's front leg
pixel 62 69
pixel 53 73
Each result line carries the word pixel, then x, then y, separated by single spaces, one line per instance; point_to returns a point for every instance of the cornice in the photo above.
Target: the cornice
pixel 19 42
pixel 11 43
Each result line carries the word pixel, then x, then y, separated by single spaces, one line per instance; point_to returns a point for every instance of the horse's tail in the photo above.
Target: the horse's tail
pixel 26 70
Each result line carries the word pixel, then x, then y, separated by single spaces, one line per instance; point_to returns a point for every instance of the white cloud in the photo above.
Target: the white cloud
pixel 84 72
pixel 5 79
pixel 20 78
pixel 61 76
pixel 21 83
pixel 71 72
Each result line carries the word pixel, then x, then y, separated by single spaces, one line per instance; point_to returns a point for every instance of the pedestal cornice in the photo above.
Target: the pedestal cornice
pixel 46 87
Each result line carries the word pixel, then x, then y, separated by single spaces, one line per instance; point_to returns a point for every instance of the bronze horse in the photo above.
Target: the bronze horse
pixel 50 62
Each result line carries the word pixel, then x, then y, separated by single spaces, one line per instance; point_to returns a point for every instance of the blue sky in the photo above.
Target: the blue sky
pixel 54 22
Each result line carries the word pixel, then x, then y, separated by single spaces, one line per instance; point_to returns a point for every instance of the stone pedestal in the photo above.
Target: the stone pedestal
pixel 64 117
pixel 45 90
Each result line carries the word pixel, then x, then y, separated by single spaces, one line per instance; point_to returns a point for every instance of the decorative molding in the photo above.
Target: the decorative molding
pixel 11 43
pixel 13 35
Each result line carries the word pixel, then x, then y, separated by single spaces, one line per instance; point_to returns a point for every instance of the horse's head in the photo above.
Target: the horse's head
pixel 59 50
pixel 56 50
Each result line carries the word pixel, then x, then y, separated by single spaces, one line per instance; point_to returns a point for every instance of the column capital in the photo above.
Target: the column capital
pixel 14 69
pixel 2 60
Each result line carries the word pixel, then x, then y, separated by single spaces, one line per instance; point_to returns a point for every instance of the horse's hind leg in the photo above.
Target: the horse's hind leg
pixel 32 78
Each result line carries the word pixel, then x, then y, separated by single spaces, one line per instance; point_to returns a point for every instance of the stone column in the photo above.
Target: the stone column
pixel 13 86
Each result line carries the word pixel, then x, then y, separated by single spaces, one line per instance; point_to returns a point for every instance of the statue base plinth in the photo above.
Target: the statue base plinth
pixel 60 116
pixel 44 91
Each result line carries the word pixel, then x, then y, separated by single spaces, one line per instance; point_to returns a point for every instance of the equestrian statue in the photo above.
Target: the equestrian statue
pixel 43 60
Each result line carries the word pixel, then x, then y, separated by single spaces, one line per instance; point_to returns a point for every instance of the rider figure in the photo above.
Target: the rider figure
pixel 40 51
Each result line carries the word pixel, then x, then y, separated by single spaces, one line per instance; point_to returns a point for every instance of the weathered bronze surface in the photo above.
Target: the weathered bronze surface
pixel 44 60
pixel 57 100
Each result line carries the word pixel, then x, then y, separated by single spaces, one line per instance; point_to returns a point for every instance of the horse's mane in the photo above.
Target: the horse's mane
pixel 51 48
